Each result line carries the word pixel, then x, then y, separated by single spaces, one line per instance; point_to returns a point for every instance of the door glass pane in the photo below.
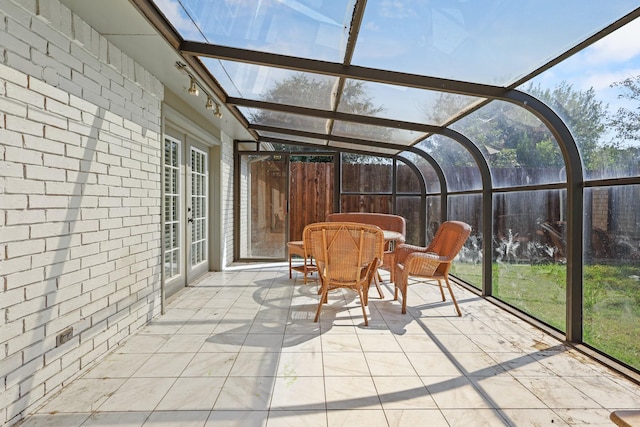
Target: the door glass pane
pixel 198 206
pixel 171 208
pixel 263 207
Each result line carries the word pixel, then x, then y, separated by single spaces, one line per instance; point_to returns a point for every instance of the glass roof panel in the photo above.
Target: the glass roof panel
pixel 596 92
pixel 284 120
pixel 222 77
pixel 460 170
pixel 493 42
pixel 275 84
pixel 292 138
pixel 366 148
pixel 519 148
pixel 401 102
pixel 375 133
pixel 312 29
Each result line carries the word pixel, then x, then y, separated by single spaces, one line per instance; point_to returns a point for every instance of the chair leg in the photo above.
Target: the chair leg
pixel 290 276
pixel 377 280
pixel 304 271
pixel 362 304
pixel 441 289
pixel 403 289
pixel 455 303
pixel 323 299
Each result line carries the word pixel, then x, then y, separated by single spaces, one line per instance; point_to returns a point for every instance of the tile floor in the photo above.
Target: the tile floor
pixel 240 348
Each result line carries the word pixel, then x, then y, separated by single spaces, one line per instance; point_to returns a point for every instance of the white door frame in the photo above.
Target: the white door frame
pixel 178 127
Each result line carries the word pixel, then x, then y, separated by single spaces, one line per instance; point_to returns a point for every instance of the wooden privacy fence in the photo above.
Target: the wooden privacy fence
pixel 522 213
pixel 310 195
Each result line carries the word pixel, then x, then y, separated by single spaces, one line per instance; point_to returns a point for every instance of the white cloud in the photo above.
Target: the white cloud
pixel 603 80
pixel 620 46
pixel 171 9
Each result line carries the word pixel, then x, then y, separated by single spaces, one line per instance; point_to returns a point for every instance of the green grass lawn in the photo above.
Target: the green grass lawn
pixel 611 300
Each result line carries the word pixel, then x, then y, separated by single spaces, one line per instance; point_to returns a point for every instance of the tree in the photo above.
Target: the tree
pixel 584 115
pixel 511 136
pixel 626 122
pixel 317 93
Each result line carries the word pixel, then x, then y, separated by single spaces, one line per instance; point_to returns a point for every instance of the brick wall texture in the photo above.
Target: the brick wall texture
pixel 80 159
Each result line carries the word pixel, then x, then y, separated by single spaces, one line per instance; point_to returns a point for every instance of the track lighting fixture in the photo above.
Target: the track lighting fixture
pixel 217 112
pixel 193 87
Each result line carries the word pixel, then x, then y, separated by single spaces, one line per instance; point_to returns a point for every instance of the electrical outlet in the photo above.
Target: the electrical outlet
pixel 64 336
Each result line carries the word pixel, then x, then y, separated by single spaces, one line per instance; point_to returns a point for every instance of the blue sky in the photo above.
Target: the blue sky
pixel 612 59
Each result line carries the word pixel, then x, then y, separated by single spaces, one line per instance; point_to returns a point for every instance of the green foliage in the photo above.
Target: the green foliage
pixel 611 300
pixel 626 121
pixel 300 89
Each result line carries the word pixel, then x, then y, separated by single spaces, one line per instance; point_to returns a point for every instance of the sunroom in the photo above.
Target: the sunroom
pixel 151 146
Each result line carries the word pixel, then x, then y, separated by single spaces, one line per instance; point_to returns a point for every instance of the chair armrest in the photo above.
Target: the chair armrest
pixel 403 250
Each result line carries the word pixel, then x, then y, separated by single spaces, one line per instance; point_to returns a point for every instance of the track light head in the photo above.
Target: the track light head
pixel 193 87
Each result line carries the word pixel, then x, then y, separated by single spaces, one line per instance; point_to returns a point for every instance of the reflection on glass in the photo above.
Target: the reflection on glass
pixel 366 174
pixel 286 120
pixel 318 31
pixel 405 103
pixel 611 294
pixel 263 206
pixel 529 253
pixel 460 169
pixel 278 85
pixel 273 141
pixel 467 208
pixel 519 148
pixel 375 133
pixel 372 149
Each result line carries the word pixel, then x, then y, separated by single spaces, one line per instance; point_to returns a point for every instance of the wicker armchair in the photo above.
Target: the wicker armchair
pixel 347 255
pixel 432 262
pixel 384 221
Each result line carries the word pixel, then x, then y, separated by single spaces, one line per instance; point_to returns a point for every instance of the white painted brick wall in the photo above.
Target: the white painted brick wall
pixel 80 156
pixel 227 209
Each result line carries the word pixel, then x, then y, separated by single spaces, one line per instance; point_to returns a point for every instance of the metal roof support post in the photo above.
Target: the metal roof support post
pixel 575 200
pixel 487 207
pixel 423 193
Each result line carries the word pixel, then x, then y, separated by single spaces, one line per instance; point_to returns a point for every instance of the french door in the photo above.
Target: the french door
pixel 186 216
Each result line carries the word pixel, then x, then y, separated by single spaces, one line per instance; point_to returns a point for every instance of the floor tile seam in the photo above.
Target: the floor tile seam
pixel 575 390
pixel 485 395
pixel 114 392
